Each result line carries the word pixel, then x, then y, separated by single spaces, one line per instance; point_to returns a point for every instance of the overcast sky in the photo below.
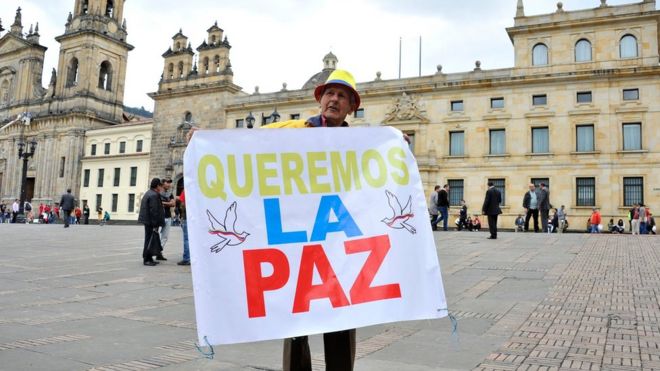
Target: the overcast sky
pixel 285 40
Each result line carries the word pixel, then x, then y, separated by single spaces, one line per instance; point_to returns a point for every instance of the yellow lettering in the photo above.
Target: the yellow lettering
pixel 396 156
pixel 246 189
pixel 264 173
pixel 374 181
pixel 214 188
pixel 345 174
pixel 316 171
pixel 292 168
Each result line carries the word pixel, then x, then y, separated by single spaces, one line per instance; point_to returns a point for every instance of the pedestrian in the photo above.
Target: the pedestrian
pixel 553 222
pixel 99 214
pixel 491 208
pixel 3 208
pixel 29 216
pixel 642 219
pixel 531 205
pixel 67 203
pixel 595 221
pixel 443 206
pixel 181 203
pixel 544 205
pixel 86 213
pixel 106 218
pixel 561 216
pixel 462 216
pixel 15 207
pixel 433 207
pixel 152 217
pixel 651 224
pixel 635 219
pixel 167 199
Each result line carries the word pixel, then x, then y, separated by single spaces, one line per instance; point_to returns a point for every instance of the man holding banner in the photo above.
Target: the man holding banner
pixel 295 232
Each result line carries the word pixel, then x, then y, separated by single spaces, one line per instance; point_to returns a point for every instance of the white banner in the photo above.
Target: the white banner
pixel 303 231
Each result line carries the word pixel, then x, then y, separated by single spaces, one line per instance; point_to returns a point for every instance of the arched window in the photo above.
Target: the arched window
pixel 4 93
pixel 105 76
pixel 540 55
pixel 109 8
pixel 72 73
pixel 85 7
pixel 582 50
pixel 213 39
pixel 206 65
pixel 216 63
pixel 170 71
pixel 180 70
pixel 187 117
pixel 628 47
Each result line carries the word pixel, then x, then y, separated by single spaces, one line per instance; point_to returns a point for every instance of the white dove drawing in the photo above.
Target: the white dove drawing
pixel 400 214
pixel 226 232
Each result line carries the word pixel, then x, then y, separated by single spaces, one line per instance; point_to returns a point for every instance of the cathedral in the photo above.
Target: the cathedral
pixel 85 92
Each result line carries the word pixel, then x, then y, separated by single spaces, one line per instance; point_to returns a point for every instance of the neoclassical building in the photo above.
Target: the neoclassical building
pixel 85 92
pixel 579 111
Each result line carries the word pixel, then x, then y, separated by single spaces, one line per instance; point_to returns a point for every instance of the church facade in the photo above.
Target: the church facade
pixel 85 92
pixel 579 111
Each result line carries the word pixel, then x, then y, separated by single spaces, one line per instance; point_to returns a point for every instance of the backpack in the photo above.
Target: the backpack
pixel 28 206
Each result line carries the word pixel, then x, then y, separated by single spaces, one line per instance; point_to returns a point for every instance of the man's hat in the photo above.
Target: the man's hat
pixel 339 77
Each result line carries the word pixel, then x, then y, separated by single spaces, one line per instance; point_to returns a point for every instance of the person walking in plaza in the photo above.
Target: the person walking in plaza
pixel 152 216
pixel 561 217
pixel 531 205
pixel 642 219
pixel 15 208
pixel 433 207
pixel 86 213
pixel 462 217
pixel 544 205
pixel 67 203
pixel 3 208
pixel 491 208
pixel 167 199
pixel 181 203
pixel 595 221
pixel 443 206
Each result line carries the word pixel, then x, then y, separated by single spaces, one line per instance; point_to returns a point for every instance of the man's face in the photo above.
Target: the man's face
pixel 532 187
pixel 166 186
pixel 336 104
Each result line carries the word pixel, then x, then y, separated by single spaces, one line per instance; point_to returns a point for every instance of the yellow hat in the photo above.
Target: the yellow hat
pixel 339 77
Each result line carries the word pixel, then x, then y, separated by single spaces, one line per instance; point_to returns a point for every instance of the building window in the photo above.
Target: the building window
pixel 584 138
pixel 500 185
pixel 99 201
pixel 86 178
pixel 537 182
pixel 496 103
pixel 539 100
pixel 585 191
pixel 133 176
pixel 296 116
pixel 105 76
pixel 99 181
pixel 455 191
pixel 456 139
pixel 240 123
pixel 359 113
pixel 411 138
pixel 633 191
pixel 93 150
pixel 117 176
pixel 583 51
pixel 72 73
pixel 632 137
pixel 138 146
pixel 131 202
pixel 115 199
pixel 187 117
pixel 122 147
pixel 62 163
pixel 497 142
pixel 584 97
pixel 457 106
pixel 628 47
pixel 540 140
pixel 109 8
pixel 540 55
pixel 630 94
pixel 106 149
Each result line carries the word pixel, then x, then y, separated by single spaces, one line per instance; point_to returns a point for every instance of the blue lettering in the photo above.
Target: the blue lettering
pixel 345 222
pixel 274 225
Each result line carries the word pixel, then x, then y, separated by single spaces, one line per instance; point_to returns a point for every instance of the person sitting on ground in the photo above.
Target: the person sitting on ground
pixel 520 223
pixel 613 228
pixel 553 223
pixel 621 227
pixel 476 223
pixel 468 224
pixel 462 217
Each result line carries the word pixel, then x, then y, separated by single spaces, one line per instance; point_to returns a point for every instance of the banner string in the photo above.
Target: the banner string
pixel 208 354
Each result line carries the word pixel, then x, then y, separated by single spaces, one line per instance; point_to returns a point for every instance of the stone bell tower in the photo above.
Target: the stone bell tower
pixel 93 58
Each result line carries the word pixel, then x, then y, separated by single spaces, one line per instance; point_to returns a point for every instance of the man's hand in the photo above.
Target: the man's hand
pixel 190 133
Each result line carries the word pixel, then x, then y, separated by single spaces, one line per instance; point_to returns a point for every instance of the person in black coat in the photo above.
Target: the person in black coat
pixel 152 216
pixel 491 208
pixel 67 204
pixel 544 205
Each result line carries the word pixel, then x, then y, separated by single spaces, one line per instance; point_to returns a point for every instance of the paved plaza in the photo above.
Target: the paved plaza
pixel 80 299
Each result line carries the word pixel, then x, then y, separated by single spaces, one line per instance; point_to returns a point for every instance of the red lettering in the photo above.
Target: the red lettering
pixel 362 292
pixel 314 256
pixel 256 284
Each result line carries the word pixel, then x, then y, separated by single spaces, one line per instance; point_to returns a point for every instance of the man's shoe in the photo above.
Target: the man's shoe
pixel 150 263
pixel 160 257
pixel 492 238
pixel 183 262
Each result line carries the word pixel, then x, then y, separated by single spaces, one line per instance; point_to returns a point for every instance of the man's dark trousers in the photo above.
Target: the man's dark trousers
pixel 444 216
pixel 535 214
pixel 146 255
pixel 492 225
pixel 67 217
pixel 339 349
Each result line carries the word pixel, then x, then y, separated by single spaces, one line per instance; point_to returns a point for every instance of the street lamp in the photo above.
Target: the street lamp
pixel 250 120
pixel 25 154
